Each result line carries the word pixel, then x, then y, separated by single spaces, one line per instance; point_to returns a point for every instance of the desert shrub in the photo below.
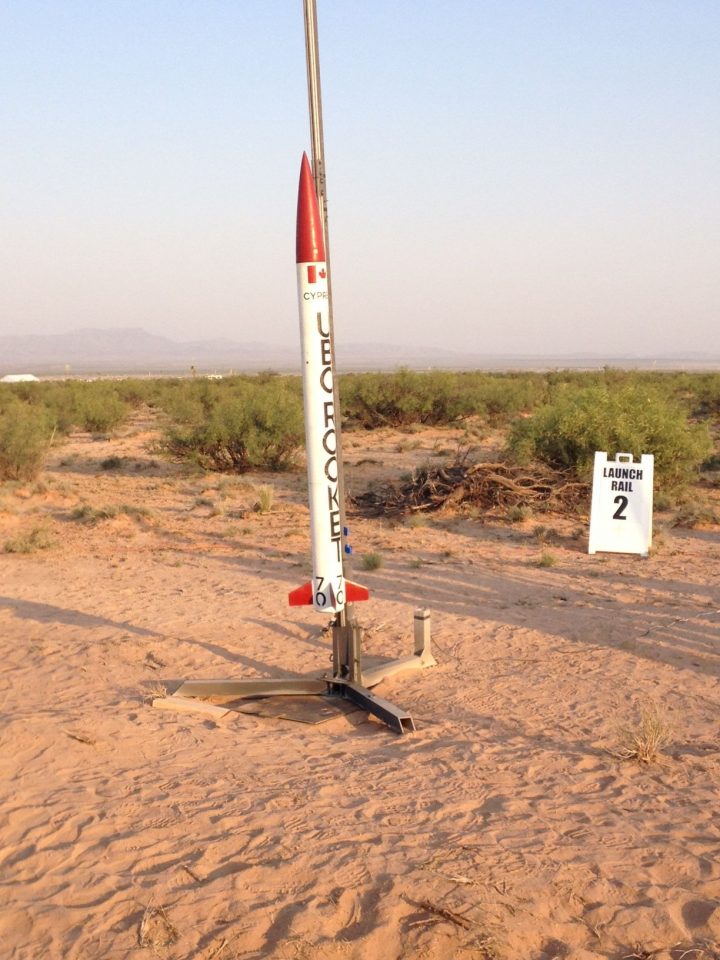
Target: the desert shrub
pixel 261 428
pixel 644 740
pixel 265 498
pixel 53 398
pixel 39 538
pixel 25 434
pixel 705 390
pixel 193 401
pixel 372 561
pixel 99 408
pixel 416 520
pixel 383 399
pixel 136 392
pixel 61 409
pixel 694 512
pixel 633 419
pixel 500 396
pixel 183 407
pixel 166 391
pixel 518 513
pixel 405 397
pixel 93 515
pixel 712 464
pixel 96 407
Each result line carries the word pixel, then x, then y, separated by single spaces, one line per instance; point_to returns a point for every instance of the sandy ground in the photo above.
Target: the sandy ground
pixel 503 829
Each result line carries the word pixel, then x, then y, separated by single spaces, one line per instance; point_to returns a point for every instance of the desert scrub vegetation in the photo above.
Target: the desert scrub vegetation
pixel 407 397
pixel 25 436
pixel 372 400
pixel 97 406
pixel 401 398
pixel 264 502
pixel 372 561
pixel 643 740
pixel 632 418
pixel 92 515
pixel 257 426
pixel 694 512
pixel 38 538
pixel 246 422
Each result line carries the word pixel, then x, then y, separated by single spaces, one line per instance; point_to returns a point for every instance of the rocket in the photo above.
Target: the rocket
pixel 328 591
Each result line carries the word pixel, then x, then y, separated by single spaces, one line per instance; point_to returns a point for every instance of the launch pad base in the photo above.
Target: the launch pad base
pixel 264 698
pixel 349 684
pixel 308 709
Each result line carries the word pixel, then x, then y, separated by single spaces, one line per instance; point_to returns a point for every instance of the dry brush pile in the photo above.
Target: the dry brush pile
pixel 490 486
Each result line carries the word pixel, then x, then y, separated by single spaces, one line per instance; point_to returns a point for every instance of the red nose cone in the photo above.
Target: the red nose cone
pixel 310 245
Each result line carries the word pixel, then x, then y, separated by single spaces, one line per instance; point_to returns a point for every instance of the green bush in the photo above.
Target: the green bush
pixel 137 392
pixel 398 399
pixel 633 419
pixel 25 433
pixel 500 396
pixel 183 407
pixel 372 561
pixel 704 389
pixel 258 427
pixel 99 409
pixel 407 397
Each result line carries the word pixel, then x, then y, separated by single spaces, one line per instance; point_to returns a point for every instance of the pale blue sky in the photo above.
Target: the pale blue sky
pixel 533 176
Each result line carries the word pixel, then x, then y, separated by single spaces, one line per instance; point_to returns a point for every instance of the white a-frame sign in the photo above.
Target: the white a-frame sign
pixel 622 498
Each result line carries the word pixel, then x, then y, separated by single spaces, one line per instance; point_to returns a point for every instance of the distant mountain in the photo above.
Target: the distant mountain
pixel 133 350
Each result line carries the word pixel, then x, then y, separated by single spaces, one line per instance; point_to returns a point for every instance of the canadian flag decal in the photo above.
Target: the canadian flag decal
pixel 313 273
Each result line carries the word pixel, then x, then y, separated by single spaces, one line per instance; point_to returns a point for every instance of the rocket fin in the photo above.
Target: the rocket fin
pixel 301 596
pixel 354 592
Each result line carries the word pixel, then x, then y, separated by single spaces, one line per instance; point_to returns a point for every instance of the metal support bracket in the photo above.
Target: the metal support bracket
pixel 419 660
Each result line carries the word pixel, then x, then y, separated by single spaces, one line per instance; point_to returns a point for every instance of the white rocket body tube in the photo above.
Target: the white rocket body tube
pixel 328 585
pixel 328 591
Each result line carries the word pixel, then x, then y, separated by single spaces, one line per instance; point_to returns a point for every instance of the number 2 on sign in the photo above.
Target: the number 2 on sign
pixel 619 514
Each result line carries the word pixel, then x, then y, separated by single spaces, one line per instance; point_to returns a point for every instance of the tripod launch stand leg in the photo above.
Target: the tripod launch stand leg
pixel 396 718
